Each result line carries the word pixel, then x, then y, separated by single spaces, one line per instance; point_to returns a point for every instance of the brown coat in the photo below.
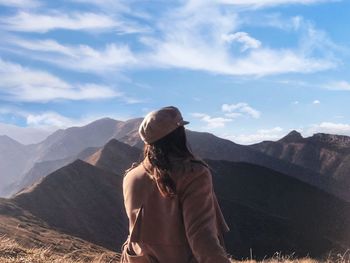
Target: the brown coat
pixel 184 229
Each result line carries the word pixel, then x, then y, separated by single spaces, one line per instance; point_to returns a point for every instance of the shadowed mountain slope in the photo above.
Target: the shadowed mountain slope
pixel 81 200
pixel 268 211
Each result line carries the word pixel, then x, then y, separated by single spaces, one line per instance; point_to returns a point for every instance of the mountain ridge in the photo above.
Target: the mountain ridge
pixel 86 201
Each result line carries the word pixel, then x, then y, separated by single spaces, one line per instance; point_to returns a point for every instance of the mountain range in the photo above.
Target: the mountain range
pixel 289 195
pixel 85 200
pixel 22 165
pixel 64 146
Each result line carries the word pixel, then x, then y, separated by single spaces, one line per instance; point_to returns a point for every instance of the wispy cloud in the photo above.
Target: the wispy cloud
pixel 268 3
pixel 231 112
pixel 337 85
pixel 21 3
pixel 330 127
pixel 243 38
pixel 182 44
pixel 45 22
pixel 272 134
pixel 79 57
pixel 120 7
pixel 212 122
pixel 23 84
pixel 50 119
pixel 25 135
pixel 239 109
pixel 316 102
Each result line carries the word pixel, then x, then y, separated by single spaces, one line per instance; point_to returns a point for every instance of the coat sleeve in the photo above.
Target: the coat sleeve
pixel 199 215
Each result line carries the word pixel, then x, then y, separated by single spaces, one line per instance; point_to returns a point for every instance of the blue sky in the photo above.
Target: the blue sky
pixel 246 70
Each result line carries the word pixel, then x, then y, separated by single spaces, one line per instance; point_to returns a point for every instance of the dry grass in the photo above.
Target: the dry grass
pixel 279 258
pixel 11 251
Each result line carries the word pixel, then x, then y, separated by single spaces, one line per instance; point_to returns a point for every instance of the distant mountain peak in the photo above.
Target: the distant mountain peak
pixel 340 140
pixel 103 121
pixel 292 136
pixel 7 139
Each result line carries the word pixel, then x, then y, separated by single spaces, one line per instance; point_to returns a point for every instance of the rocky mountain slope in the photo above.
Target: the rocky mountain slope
pixel 326 154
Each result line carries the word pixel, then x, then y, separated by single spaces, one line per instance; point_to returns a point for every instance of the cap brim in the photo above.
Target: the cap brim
pixel 181 123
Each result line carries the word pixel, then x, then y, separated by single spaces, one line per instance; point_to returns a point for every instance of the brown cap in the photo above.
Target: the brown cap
pixel 159 123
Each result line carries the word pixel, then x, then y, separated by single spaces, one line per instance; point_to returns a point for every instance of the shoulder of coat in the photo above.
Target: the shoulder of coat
pixel 135 169
pixel 197 165
pixel 199 161
pixel 132 167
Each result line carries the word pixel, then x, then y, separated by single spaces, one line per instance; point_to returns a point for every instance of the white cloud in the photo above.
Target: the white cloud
pixel 316 102
pixel 260 62
pixel 243 38
pixel 53 120
pixel 127 7
pixel 42 23
pixel 187 37
pixel 182 43
pixel 267 3
pixel 46 45
pixel 80 57
pixel 337 85
pixel 268 62
pixel 38 125
pixel 241 107
pixel 272 134
pixel 21 3
pixel 233 115
pixel 330 127
pixel 49 119
pixel 24 135
pixel 24 84
pixel 212 122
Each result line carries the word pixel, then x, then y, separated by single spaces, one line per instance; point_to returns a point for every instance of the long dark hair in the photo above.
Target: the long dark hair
pixel 175 144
